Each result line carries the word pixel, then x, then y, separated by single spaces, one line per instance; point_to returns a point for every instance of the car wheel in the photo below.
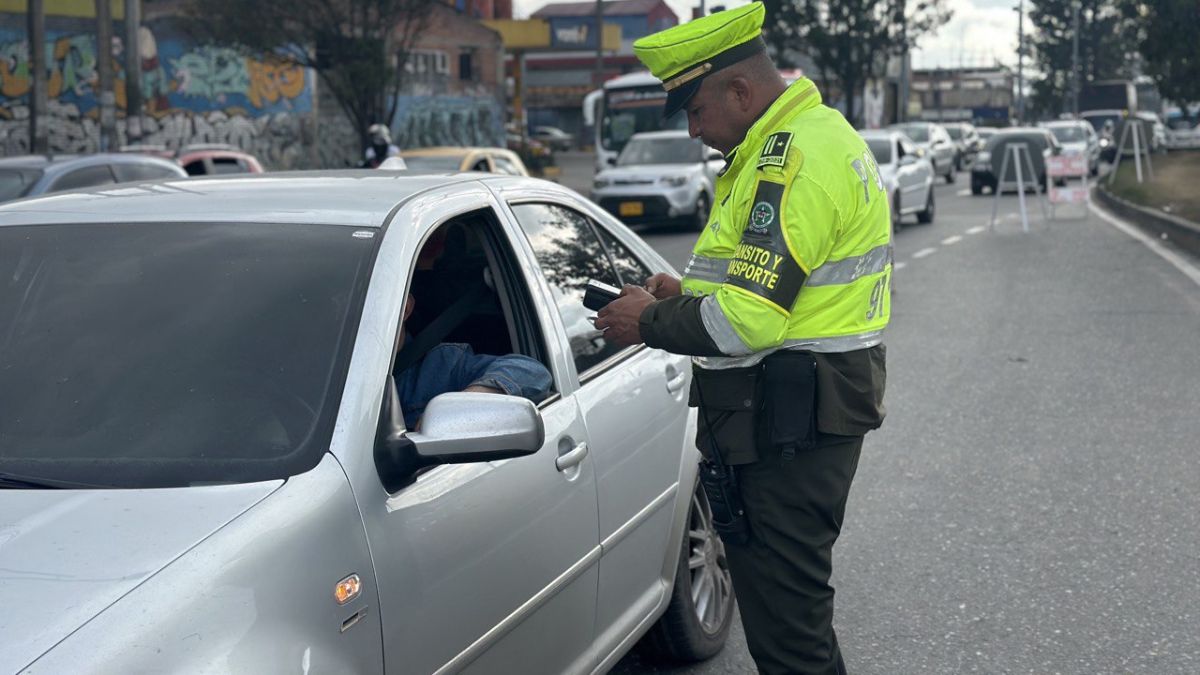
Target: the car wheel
pixel 700 218
pixel 926 216
pixel 696 623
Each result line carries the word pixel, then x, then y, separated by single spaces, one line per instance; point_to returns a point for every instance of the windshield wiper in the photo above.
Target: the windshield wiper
pixel 14 481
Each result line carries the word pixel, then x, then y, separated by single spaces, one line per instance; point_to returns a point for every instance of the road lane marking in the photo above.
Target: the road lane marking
pixel 964 193
pixel 977 229
pixel 899 266
pixel 924 252
pixel 950 241
pixel 1180 263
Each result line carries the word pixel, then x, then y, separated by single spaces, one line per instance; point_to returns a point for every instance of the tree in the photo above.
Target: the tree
pixel 850 41
pixel 359 48
pixel 1106 42
pixel 1168 46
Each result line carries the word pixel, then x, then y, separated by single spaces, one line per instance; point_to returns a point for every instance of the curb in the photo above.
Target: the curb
pixel 1183 233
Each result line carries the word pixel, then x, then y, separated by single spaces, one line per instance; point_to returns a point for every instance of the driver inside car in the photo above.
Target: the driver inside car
pixel 456 367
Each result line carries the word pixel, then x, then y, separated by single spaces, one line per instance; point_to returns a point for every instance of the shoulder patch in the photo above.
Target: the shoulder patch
pixel 774 152
pixel 762 263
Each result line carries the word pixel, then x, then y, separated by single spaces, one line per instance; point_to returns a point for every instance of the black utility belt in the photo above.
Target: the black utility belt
pixel 768 407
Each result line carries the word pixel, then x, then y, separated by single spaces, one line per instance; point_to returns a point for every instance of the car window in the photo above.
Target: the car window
pixel 88 176
pixel 195 168
pixel 481 165
pixel 505 165
pixel 227 165
pixel 186 354
pixel 135 172
pixel 569 254
pixel 630 270
pixel 882 149
pixel 16 182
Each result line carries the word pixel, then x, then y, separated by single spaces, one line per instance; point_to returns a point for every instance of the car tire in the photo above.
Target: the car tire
pixel 699 219
pixel 681 635
pixel 925 217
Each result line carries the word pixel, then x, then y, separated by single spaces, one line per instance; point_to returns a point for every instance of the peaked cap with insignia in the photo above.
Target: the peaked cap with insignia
pixel 682 56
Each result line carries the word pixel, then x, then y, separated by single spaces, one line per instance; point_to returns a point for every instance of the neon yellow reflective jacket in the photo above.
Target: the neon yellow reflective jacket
pixel 797 252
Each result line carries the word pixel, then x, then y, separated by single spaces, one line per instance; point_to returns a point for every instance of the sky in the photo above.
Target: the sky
pixel 979 33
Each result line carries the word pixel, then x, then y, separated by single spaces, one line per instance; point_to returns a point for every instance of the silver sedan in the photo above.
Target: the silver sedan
pixel 204 468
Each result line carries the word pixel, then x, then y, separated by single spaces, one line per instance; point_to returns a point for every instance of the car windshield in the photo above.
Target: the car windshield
pixel 955 132
pixel 1071 134
pixel 882 149
pixel 165 355
pixel 661 151
pixel 1098 121
pixel 434 162
pixel 917 132
pixel 17 182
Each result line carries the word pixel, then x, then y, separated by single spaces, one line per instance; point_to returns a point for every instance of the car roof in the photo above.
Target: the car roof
pixel 72 161
pixel 447 151
pixel 1063 123
pixel 669 133
pixel 355 197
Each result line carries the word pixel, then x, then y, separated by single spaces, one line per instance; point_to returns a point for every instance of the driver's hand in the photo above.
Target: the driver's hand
pixel 663 286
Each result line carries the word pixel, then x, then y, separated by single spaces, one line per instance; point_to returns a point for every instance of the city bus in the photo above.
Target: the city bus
pixel 630 104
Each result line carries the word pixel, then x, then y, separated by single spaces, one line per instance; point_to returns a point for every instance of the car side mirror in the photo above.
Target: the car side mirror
pixel 457 428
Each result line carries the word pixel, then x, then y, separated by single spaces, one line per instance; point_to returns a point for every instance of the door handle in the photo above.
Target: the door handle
pixel 675 379
pixel 573 458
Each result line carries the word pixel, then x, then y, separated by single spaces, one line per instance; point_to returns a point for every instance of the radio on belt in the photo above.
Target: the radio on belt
pixel 597 294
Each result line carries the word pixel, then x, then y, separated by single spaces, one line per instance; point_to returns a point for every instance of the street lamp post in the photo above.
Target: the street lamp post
pixel 1075 79
pixel 1020 61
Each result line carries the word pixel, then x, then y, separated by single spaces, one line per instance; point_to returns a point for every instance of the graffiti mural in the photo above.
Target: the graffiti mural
pixel 448 120
pixel 193 94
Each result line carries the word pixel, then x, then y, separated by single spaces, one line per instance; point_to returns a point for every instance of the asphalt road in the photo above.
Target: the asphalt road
pixel 1031 503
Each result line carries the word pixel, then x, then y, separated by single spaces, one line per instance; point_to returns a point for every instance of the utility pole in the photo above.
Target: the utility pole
pixel 1075 79
pixel 108 116
pixel 39 123
pixel 599 74
pixel 133 71
pixel 1020 61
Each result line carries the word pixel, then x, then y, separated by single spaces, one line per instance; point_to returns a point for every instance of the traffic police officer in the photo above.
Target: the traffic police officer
pixel 783 305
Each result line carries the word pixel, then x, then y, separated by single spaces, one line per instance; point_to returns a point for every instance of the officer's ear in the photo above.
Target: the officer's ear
pixel 742 92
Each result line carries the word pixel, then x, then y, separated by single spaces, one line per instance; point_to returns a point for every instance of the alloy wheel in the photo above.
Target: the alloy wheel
pixel 712 587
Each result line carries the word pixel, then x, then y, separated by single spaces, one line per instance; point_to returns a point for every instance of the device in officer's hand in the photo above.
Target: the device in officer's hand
pixel 597 294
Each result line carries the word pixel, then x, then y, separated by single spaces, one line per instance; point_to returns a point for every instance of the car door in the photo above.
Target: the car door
pixel 913 175
pixel 632 400
pixel 490 567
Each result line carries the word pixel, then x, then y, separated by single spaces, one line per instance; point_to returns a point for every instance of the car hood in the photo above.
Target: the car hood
pixel 67 555
pixel 647 173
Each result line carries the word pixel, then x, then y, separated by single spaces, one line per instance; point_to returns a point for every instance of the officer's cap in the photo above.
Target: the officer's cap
pixel 682 56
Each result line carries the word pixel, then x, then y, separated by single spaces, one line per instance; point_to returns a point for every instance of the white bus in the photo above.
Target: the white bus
pixel 630 104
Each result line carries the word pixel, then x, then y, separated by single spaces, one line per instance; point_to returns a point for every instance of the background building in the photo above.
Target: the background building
pixel 983 96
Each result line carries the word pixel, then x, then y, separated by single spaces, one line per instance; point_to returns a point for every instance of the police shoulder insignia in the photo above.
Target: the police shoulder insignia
pixel 774 151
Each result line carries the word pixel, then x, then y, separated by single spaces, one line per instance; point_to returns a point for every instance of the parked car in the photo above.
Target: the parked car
pixel 32 175
pixel 1183 133
pixel 1077 138
pixel 1040 143
pixel 215 392
pixel 207 162
pixel 933 140
pixel 454 159
pixel 555 138
pixel 966 143
pixel 909 179
pixel 660 176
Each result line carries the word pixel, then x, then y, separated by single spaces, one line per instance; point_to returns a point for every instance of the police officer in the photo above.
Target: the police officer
pixel 783 305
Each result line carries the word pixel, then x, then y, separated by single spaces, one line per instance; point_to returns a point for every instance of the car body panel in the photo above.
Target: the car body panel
pixel 130 535
pixel 57 168
pixel 939 149
pixel 912 181
pixel 255 597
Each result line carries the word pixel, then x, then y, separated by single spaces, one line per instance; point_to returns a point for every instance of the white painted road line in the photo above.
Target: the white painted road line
pixel 899 266
pixel 964 193
pixel 950 241
pixel 977 229
pixel 924 252
pixel 1180 263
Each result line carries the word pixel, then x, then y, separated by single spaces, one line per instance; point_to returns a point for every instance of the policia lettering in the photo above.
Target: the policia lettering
pixel 762 263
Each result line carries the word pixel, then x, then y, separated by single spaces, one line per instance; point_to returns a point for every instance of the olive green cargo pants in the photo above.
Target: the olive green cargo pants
pixel 781 576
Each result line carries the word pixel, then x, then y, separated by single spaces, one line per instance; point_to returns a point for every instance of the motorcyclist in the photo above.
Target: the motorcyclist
pixel 380 148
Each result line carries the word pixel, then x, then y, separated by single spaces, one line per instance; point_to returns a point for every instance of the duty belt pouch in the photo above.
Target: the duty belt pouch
pixel 789 418
pixel 729 403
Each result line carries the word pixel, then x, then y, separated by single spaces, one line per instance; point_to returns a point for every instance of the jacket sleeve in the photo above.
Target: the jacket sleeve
pixel 789 231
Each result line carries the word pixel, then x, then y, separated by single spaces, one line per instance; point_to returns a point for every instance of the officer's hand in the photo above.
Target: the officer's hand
pixel 663 286
pixel 619 319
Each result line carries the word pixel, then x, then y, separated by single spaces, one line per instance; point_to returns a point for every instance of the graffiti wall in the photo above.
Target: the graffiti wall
pixel 423 121
pixel 192 93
